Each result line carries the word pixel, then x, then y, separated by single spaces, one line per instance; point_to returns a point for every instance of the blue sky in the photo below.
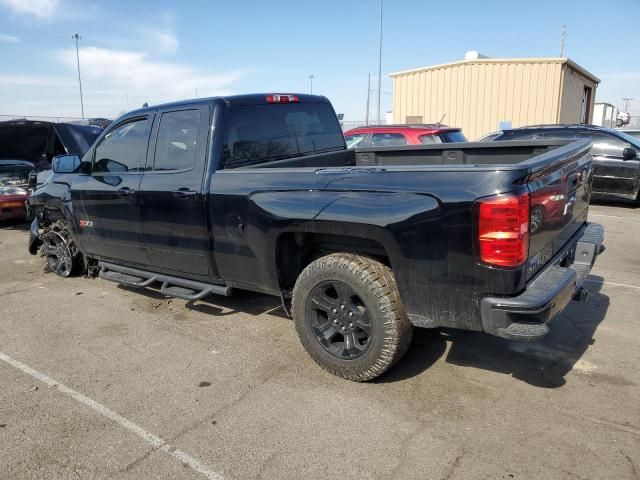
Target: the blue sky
pixel 156 51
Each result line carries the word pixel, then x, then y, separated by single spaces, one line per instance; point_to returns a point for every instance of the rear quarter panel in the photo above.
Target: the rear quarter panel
pixel 428 237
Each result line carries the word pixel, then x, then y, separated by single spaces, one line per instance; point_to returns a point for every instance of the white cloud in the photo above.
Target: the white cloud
pixel 37 8
pixel 162 41
pixel 132 72
pixel 4 38
pixel 112 80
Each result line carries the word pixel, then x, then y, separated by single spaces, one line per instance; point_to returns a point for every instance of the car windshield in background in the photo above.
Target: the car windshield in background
pixel 635 142
pixel 452 137
pixel 263 133
pixel 633 133
pixel 355 140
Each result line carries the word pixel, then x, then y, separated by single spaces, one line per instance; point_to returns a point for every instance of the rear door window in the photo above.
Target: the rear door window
pixel 262 133
pixel 177 140
pixel 388 139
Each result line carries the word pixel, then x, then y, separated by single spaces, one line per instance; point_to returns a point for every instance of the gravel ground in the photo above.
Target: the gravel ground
pixel 98 381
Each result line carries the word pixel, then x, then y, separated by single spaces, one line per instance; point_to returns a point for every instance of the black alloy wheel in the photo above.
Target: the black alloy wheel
pixel 339 319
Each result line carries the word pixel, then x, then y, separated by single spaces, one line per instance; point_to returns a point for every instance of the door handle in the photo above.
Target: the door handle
pixel 184 193
pixel 125 191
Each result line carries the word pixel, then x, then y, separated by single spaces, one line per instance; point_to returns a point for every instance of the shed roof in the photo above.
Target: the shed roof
pixel 563 60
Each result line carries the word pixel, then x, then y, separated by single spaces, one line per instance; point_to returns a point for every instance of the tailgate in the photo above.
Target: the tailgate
pixel 560 190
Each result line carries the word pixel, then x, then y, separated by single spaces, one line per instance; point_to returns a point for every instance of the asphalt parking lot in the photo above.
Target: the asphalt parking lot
pixel 98 381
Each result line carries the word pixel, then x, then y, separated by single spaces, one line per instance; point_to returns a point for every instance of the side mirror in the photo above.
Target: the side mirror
pixel 65 163
pixel 629 154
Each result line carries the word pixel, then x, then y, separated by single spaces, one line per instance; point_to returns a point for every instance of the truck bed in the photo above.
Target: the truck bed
pixel 470 153
pixel 507 154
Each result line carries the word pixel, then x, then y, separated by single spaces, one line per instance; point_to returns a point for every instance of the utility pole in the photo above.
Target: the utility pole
pixel 627 103
pixel 380 66
pixel 563 37
pixel 78 37
pixel 311 81
pixel 366 120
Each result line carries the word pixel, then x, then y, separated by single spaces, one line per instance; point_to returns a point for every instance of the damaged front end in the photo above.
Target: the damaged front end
pixel 53 241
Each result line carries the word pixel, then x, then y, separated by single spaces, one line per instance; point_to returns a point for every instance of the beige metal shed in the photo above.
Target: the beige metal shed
pixel 481 94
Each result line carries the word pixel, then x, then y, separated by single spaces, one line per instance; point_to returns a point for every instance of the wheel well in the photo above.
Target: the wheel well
pixel 296 250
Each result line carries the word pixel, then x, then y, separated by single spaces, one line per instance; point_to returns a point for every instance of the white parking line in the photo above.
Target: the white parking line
pixel 148 437
pixel 600 282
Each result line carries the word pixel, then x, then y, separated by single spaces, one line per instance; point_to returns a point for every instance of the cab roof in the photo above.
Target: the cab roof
pixel 247 99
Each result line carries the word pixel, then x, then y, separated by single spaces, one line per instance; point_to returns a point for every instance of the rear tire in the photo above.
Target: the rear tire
pixel 349 316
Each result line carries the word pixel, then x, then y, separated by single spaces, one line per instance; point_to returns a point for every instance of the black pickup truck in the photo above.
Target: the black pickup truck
pixel 259 192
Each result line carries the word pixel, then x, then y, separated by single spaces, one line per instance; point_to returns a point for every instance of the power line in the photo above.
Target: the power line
pixel 563 37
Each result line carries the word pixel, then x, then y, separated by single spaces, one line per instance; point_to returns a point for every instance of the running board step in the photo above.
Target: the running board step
pixel 171 286
pixel 125 279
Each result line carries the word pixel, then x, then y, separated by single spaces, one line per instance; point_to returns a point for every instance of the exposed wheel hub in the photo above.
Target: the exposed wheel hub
pixel 58 254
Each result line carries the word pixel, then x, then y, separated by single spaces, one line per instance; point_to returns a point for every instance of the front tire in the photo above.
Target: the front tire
pixel 60 252
pixel 349 316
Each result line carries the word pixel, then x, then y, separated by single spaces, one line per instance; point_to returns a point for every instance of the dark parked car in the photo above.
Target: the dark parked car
pixel 259 192
pixel 616 155
pixel 38 142
pixel 396 135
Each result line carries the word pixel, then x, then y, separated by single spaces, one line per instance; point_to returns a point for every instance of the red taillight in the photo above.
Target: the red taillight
pixel 503 230
pixel 282 98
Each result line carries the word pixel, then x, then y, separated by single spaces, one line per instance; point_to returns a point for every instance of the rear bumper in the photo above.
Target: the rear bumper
pixel 525 317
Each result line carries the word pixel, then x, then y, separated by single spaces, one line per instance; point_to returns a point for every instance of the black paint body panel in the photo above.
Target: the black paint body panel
pixel 421 215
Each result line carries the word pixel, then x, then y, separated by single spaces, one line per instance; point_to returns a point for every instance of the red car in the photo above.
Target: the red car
pixel 396 135
pixel 14 177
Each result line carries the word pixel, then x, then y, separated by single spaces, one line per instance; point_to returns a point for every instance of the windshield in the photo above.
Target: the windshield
pixel 633 133
pixel 635 142
pixel 453 137
pixel 354 140
pixel 262 133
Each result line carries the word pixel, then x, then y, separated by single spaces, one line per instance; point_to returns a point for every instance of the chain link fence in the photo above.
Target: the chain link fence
pixel 37 118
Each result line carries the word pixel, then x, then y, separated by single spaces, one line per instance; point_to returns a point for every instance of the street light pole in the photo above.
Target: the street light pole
pixel 311 80
pixel 78 37
pixel 366 115
pixel 380 66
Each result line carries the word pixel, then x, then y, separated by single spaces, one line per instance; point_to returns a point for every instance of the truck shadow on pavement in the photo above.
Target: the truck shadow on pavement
pixel 240 302
pixel 14 225
pixel 543 363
